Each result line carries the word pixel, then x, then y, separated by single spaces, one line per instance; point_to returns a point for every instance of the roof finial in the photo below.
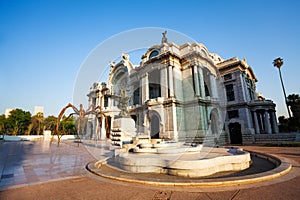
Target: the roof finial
pixel 164 38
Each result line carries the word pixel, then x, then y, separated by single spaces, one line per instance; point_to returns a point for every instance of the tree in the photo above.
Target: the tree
pixel 39 117
pixel 34 127
pixel 283 124
pixel 293 100
pixel 29 129
pixel 2 125
pixel 49 123
pixel 293 123
pixel 68 125
pixel 18 121
pixel 278 62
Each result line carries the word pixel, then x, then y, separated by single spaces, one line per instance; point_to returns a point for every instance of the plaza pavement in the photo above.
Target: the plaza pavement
pixel 41 170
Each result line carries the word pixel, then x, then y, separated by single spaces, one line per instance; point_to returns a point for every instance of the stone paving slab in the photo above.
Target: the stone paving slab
pixel 28 162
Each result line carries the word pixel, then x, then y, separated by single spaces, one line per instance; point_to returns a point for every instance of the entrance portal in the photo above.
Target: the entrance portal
pixel 235 133
pixel 154 127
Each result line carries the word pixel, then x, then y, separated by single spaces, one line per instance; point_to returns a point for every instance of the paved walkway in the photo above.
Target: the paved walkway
pixel 28 162
pixel 60 174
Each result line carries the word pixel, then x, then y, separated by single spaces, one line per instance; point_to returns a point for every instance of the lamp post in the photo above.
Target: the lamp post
pixel 278 62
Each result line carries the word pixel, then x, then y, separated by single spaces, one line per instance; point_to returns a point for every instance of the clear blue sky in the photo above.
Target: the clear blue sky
pixel 43 43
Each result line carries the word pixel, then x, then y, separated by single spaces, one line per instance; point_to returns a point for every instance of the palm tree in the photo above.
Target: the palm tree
pixel 278 62
pixel 39 117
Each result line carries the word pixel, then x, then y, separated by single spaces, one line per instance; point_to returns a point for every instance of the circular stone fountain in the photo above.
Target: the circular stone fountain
pixel 179 159
pixel 182 165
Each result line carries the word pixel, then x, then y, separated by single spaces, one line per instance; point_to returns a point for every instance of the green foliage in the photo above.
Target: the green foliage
pixel 288 124
pixel 291 124
pixel 67 126
pixel 18 121
pixel 293 100
pixel 49 123
pixel 37 123
pixel 34 127
pixel 3 125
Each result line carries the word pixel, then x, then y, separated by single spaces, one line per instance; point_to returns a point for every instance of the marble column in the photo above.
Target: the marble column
pixel 256 125
pixel 196 80
pixel 164 82
pixel 243 86
pixel 267 122
pixel 111 100
pixel 98 129
pixel 202 89
pixel 171 82
pixel 103 131
pixel 94 124
pixel 175 129
pixel 145 88
pixel 274 122
pixel 261 121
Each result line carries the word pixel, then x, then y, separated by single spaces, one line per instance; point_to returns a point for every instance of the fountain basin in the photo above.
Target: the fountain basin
pixel 187 162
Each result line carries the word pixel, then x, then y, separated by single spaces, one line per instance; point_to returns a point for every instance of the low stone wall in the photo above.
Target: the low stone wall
pixel 22 137
pixel 274 138
pixel 65 137
pixel 34 137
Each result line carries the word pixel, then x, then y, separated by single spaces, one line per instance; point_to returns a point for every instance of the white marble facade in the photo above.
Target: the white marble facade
pixel 179 93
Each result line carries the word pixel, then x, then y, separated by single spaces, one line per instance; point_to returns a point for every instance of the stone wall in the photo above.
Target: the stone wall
pixel 274 138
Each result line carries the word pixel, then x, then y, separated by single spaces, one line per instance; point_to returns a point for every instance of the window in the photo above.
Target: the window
pixel 154 84
pixel 153 53
pixel 251 95
pixel 136 96
pixel 206 90
pixel 233 114
pixel 230 92
pixel 228 77
pixel 207 84
pixel 154 90
pixel 105 101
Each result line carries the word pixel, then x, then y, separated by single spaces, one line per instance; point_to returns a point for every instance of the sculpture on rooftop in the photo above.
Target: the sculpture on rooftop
pixel 164 38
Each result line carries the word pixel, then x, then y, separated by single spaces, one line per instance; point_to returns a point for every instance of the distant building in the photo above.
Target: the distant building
pixel 7 112
pixel 184 93
pixel 38 109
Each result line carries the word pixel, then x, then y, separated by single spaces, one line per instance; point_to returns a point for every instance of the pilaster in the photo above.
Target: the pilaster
pixel 145 88
pixel 171 82
pixel 196 80
pixel 202 90
pixel 164 82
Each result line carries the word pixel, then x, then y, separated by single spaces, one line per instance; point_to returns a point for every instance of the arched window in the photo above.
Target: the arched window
pixel 153 53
